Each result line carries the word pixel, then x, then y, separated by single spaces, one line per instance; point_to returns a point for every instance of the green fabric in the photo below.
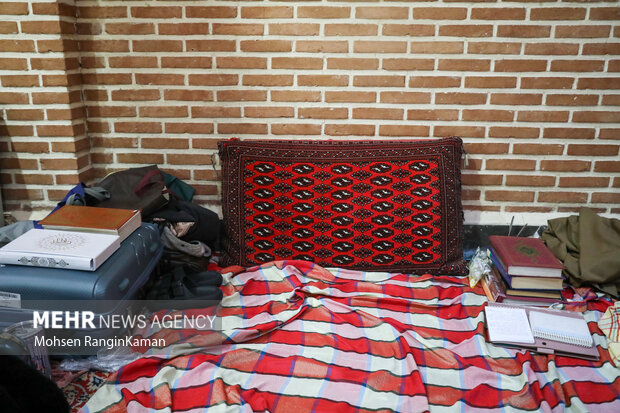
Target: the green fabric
pixel 182 189
pixel 589 247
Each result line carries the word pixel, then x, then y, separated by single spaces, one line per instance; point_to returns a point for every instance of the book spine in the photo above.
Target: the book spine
pixel 500 267
pixel 47 261
pixel 500 254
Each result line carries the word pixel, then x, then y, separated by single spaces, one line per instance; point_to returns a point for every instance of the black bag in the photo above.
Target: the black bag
pixel 135 188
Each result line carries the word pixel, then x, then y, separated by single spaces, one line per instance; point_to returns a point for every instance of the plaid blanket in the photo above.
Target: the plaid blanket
pixel 301 338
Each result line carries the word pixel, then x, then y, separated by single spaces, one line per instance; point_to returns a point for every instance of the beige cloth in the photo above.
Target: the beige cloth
pixel 589 247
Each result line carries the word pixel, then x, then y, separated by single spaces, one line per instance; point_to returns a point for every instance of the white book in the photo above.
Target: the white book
pixel 60 249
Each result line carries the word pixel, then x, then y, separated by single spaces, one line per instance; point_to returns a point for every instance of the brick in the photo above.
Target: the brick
pixel 408 30
pixel 383 13
pixel 611 100
pixel 102 12
pixel 465 65
pixel 40 27
pixel 607 166
pixel 88 28
pixel 135 95
pixel 613 66
pixel 323 113
pixel 378 113
pixel 242 128
pixel 558 13
pixel 322 80
pixel 187 62
pixel 137 127
pixel 462 131
pixel 7 45
pixel 266 46
pixel 440 13
pixel 605 13
pixel 34 179
pixel 487 148
pixel 592 150
pixel 553 49
pixel 241 95
pixel 523 31
pixel 22 194
pixel 57 45
pixel 157 12
pixel 562 197
pixel 18 163
pixel 583 32
pixel 42 98
pixel 568 133
pixel 490 82
pixel 193 128
pixel 434 81
pixel 516 99
pixel 320 12
pixel 577 66
pixel 352 63
pixel 30 147
pixel 432 114
pixel 20 81
pixel 481 179
pixel 140 158
pixel 598 116
pixel 111 111
pixel 163 111
pixel 349 129
pixel 188 95
pixel 211 45
pixel 241 62
pixel 211 12
pixel 599 83
pixel 469 30
pixel 437 47
pixel 58 164
pixel 537 149
pixel 60 130
pixel 295 129
pixel 157 45
pixel 238 29
pixel 405 97
pixel 106 78
pixel 606 197
pixel 54 63
pixel 214 80
pixel 379 81
pixel 215 112
pixel 277 12
pixel 493 48
pixel 270 112
pixel 583 182
pixel 92 62
pixel 66 114
pixel 601 49
pixel 14 8
pixel 268 80
pixel 503 13
pixel 295 96
pixel 104 46
pixel 186 29
pixel 572 100
pixel 72 147
pixel 98 127
pixel 54 9
pixel 352 97
pixel 130 28
pixel 294 29
pixel 102 158
pixel 490 115
pixel 159 79
pixel 319 46
pixel 404 130
pixel 509 196
pixel 164 143
pixel 542 116
pixel 513 65
pixel 133 61
pixel 14 98
pixel 408 64
pixel 513 132
pixel 351 30
pixel 547 82
pixel 510 164
pixel 458 98
pixel 8 27
pixel 363 46
pixel 609 134
pixel 565 165
pixel 61 80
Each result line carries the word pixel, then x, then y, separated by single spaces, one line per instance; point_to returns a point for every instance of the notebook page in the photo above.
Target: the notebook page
pixel 508 324
pixel 560 328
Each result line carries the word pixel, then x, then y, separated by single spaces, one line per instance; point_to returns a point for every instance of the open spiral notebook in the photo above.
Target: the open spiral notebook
pixel 545 331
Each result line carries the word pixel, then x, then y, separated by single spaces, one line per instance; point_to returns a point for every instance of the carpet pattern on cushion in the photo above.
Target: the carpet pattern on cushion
pixel 380 205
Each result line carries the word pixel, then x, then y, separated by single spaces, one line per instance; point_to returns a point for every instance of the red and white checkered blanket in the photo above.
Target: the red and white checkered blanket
pixel 300 338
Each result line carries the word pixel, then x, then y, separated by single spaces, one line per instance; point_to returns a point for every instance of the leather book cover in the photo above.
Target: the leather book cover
pixel 518 253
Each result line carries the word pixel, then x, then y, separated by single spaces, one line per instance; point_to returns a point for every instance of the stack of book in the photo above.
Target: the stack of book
pixel 73 238
pixel 525 272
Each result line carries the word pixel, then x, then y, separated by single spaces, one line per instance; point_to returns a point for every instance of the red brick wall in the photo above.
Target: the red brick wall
pixel 532 87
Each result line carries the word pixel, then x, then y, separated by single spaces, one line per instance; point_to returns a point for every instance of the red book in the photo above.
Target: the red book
pixel 528 257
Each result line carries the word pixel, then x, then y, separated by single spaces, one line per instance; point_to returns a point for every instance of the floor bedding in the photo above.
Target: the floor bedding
pixel 298 337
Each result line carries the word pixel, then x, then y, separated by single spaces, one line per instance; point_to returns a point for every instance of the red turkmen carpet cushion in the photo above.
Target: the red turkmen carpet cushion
pixel 365 205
